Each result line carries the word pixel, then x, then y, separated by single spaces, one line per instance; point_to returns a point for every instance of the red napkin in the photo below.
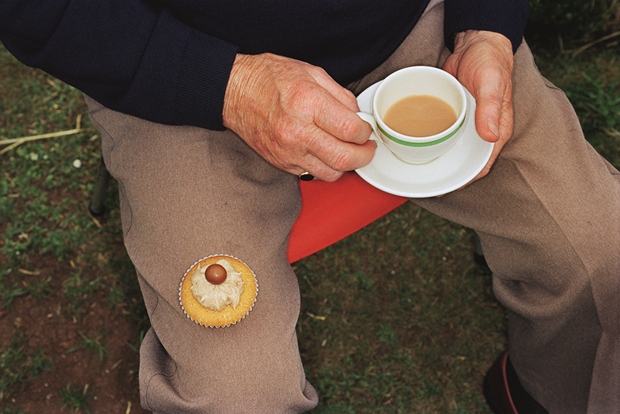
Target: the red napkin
pixel 332 211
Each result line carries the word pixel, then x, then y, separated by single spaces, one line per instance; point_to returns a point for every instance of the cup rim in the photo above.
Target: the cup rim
pixel 431 139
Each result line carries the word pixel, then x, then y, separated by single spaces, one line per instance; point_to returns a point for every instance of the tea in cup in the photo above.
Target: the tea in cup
pixel 418 113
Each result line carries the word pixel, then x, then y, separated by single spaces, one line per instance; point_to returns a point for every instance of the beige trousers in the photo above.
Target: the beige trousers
pixel 548 216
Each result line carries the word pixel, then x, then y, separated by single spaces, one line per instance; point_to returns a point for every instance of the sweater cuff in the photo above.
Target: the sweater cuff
pixel 505 17
pixel 202 81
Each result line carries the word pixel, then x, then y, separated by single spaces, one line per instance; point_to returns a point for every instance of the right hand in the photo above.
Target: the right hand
pixel 296 116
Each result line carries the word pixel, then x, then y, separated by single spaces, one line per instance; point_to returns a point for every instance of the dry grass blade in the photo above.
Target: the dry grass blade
pixel 29 272
pixel 612 132
pixel 42 136
pixel 18 141
pixel 589 45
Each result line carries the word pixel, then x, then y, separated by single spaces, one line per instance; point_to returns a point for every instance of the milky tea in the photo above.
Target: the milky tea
pixel 420 115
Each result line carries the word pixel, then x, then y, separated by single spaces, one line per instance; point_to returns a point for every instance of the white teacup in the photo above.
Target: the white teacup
pixel 417 80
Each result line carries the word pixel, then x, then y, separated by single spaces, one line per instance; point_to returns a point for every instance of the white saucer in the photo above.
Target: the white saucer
pixel 447 173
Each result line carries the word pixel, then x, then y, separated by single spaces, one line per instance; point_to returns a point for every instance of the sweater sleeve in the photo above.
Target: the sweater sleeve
pixel 507 17
pixel 129 56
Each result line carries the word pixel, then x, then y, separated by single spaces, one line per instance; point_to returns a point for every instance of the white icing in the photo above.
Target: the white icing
pixel 217 297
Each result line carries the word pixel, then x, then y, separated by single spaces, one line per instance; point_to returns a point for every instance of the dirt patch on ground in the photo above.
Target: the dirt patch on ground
pixel 44 324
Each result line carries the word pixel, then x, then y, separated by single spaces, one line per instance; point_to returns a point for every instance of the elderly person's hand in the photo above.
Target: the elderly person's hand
pixel 296 116
pixel 482 62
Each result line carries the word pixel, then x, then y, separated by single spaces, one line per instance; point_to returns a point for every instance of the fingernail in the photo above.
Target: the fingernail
pixel 493 127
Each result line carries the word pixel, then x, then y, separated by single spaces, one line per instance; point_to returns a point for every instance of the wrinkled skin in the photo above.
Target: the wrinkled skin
pixel 483 62
pixel 299 119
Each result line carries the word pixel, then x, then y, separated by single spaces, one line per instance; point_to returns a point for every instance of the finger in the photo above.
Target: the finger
pixel 345 125
pixel 335 111
pixel 342 95
pixel 340 122
pixel 318 169
pixel 494 107
pixel 451 65
pixel 505 132
pixel 340 155
pixel 506 121
pixel 489 101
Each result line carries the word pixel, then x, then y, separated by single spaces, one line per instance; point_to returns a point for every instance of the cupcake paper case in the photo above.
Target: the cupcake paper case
pixel 229 315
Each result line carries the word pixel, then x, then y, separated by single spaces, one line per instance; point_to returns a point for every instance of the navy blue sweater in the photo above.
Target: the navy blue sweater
pixel 169 61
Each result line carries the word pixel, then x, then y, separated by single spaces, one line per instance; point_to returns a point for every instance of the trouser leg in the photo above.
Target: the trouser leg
pixel 549 220
pixel 548 216
pixel 187 193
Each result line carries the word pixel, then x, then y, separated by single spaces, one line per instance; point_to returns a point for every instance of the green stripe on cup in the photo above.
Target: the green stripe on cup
pixel 421 144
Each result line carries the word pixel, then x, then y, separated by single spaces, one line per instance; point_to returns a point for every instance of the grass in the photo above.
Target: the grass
pixel 10 409
pixel 417 330
pixel 78 288
pixel 395 319
pixel 591 81
pixel 75 397
pixel 51 249
pixel 92 345
pixel 19 363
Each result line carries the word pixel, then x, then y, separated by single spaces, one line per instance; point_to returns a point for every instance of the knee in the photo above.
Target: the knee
pixel 260 381
pixel 549 275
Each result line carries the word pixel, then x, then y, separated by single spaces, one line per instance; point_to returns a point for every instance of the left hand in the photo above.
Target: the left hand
pixel 482 62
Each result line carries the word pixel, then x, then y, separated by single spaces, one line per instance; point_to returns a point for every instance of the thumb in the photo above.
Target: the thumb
pixel 490 98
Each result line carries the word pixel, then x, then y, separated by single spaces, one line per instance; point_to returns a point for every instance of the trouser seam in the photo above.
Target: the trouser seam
pixel 553 218
pixel 102 130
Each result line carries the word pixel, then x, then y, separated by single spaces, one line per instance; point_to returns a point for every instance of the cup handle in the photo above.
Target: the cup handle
pixel 371 120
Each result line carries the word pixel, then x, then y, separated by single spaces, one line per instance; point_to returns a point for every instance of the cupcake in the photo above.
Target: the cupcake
pixel 218 291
